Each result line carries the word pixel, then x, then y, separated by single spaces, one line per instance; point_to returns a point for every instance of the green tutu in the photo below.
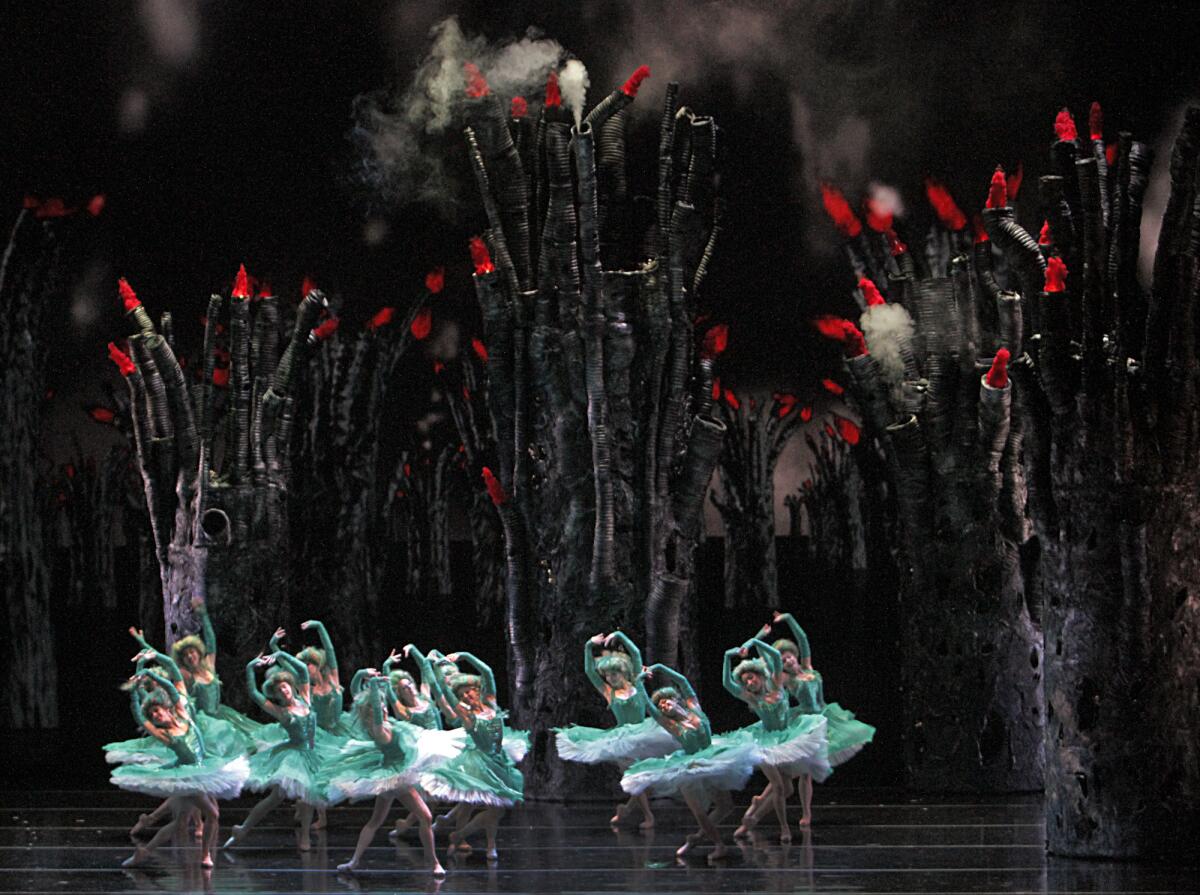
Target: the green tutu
pixel 183 768
pixel 482 773
pixel 846 734
pixel 298 765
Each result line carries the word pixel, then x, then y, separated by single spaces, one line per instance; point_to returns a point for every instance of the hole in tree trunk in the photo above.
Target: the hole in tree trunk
pixel 992 737
pixel 1034 658
pixel 1181 596
pixel 1087 709
pixel 1081 779
pixel 216 524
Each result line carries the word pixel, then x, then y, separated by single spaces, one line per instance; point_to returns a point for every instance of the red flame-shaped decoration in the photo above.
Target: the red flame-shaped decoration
pixel 731 399
pixel 264 290
pixel 630 87
pixel 879 218
pixel 716 340
pixel 422 324
pixel 325 329
pixel 870 292
pixel 843 331
pixel 307 286
pixel 96 204
pixel 998 191
pixel 832 387
pixel 1013 181
pixel 1064 126
pixel 1096 122
pixel 1110 154
pixel 241 283
pixel 480 256
pixel 435 280
pixel 128 296
pixel 847 429
pixel 477 85
pixel 1056 274
pixel 806 413
pixel 716 389
pixel 438 368
pixel 553 96
pixel 221 377
pixel 839 211
pixel 479 348
pixel 101 414
pixel 895 246
pixel 382 317
pixel 120 358
pixel 494 489
pixel 518 108
pixel 944 206
pixel 997 376
pixel 786 403
pixel 1044 237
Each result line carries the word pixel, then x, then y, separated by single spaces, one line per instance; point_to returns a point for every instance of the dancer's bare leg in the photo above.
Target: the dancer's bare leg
pixel 411 799
pixel 257 813
pixel 322 821
pixel 210 817
pixel 804 786
pixel 708 828
pixel 484 819
pixel 779 793
pixel 142 852
pixel 647 816
pixel 757 804
pixel 306 816
pixel 152 819
pixel 383 804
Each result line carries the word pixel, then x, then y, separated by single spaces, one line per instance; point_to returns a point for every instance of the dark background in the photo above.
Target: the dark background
pixel 219 133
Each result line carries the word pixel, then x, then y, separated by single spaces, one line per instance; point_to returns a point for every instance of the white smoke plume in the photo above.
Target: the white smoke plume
pixel 573 82
pixel 886 198
pixel 399 130
pixel 884 327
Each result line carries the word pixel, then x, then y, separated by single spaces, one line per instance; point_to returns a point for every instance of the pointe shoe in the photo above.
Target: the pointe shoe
pixel 305 844
pixel 682 851
pixel 493 855
pixel 785 835
pixel 393 834
pixel 742 832
pixel 441 824
pixel 805 821
pixel 349 867
pixel 439 872
pixel 235 835
pixel 140 856
pixel 720 853
pixel 206 860
pixel 647 824
pixel 143 821
pixel 321 822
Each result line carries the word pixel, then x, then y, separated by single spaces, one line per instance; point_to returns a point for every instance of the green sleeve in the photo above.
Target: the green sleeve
pixel 273 643
pixel 799 635
pixel 485 671
pixel 377 699
pixel 135 706
pixel 650 706
pixel 388 665
pixel 356 683
pixel 635 655
pixel 428 678
pixel 207 634
pixel 681 682
pixel 294 665
pixel 252 684
pixel 589 666
pixel 727 672
pixel 771 656
pixel 439 682
pixel 326 644
pixel 166 684
pixel 169 666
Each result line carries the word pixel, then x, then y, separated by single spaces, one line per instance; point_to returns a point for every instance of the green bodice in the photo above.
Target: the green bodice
pixel 774 715
pixel 328 708
pixel 809 696
pixel 694 739
pixel 429 717
pixel 488 734
pixel 628 709
pixel 206 696
pixel 187 748
pixel 301 730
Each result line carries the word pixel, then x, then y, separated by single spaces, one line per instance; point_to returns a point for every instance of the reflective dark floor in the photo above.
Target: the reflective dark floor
pixel 862 842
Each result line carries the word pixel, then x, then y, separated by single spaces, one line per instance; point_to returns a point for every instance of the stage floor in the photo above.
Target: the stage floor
pixel 863 841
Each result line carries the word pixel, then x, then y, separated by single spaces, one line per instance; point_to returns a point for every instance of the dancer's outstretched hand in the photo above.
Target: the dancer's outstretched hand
pixel 598 640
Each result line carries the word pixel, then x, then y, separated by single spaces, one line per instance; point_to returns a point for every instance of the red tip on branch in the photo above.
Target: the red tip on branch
pixel 630 87
pixel 847 429
pixel 51 208
pixel 998 190
pixel 1056 274
pixel 1064 126
pixel 382 317
pixel 879 218
pixel 480 256
pixel 997 376
pixel 731 399
pixel 1013 181
pixel 69 469
pixel 895 245
pixel 307 286
pixel 241 283
pixel 96 204
pixel 494 489
pixel 839 211
pixel 716 340
pixel 438 368
pixel 479 348
pixel 265 290
pixel 422 324
pixel 870 292
pixel 221 377
pixel 944 206
pixel 325 329
pixel 435 280
pixel 553 96
pixel 477 85
pixel 1110 154
pixel 101 414
pixel 120 358
pixel 980 230
pixel 843 331
pixel 1096 122
pixel 716 389
pixel 806 413
pixel 1044 237
pixel 128 296
pixel 786 404
pixel 518 108
pixel 832 387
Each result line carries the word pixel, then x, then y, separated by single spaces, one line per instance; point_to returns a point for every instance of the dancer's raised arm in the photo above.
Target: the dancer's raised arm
pixel 798 634
pixel 326 645
pixel 485 671
pixel 619 638
pixel 207 635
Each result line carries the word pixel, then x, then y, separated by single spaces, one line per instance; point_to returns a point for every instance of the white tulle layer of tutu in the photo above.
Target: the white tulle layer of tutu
pixel 803 752
pixel 346 789
pixel 223 781
pixel 131 756
pixel 844 755
pixel 725 765
pixel 622 744
pixel 439 789
pixel 515 743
